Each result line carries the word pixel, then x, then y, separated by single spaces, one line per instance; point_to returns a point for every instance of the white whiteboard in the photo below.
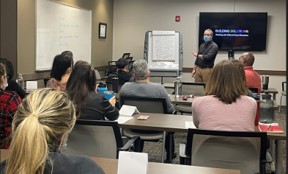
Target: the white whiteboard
pixel 163 51
pixel 59 28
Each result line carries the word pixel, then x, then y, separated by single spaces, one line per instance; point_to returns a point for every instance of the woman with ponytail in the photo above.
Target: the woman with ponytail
pixel 40 129
pixel 81 88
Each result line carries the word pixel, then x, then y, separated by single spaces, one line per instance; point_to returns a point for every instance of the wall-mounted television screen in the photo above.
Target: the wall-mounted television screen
pixel 235 31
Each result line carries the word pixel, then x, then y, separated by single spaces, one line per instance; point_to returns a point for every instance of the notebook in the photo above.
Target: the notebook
pixel 127 110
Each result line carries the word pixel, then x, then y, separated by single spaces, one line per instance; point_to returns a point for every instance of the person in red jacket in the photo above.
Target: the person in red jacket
pixel 252 77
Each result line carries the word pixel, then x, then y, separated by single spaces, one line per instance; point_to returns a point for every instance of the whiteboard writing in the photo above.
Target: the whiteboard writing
pixel 163 48
pixel 59 28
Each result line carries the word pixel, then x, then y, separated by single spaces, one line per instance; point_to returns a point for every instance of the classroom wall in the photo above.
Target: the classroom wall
pixel 8 30
pixel 102 11
pixel 133 18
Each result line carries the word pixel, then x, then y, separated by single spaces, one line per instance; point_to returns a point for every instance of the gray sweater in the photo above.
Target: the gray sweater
pixel 152 90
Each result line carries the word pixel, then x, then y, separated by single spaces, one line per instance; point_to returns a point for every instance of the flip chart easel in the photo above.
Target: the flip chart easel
pixel 163 51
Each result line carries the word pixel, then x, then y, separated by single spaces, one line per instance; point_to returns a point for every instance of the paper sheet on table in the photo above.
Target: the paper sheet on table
pixel 123 119
pixel 132 162
pixel 189 124
pixel 31 85
pixel 127 110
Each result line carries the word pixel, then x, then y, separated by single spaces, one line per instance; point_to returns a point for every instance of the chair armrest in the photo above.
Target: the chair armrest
pixel 129 144
pixel 184 159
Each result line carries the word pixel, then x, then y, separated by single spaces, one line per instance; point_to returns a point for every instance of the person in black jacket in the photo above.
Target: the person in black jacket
pixel 205 58
pixel 12 84
pixel 81 88
pixel 123 73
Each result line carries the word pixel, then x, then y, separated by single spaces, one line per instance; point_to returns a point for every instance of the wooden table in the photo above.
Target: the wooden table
pixel 178 100
pixel 176 123
pixel 110 166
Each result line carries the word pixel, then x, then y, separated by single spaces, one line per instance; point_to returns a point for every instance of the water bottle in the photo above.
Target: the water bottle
pixel 177 85
pixel 20 80
pixel 102 88
pixel 266 109
pixel 115 84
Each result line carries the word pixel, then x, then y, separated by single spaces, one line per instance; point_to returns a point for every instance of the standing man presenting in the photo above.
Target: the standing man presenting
pixel 205 58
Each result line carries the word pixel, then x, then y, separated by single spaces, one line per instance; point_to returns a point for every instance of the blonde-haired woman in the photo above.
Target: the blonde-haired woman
pixel 226 106
pixel 39 130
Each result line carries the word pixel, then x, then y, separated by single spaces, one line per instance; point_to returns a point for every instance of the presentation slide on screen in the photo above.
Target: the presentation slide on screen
pixel 231 32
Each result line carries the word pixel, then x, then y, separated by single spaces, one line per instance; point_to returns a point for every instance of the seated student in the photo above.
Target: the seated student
pixel 61 70
pixel 40 130
pixel 142 87
pixel 81 88
pixel 9 102
pixel 226 106
pixel 12 84
pixel 123 73
pixel 252 77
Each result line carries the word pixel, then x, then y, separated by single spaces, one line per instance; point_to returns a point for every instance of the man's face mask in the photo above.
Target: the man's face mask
pixel 207 38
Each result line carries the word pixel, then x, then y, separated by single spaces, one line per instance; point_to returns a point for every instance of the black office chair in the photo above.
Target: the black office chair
pixel 129 59
pixel 98 138
pixel 145 104
pixel 112 68
pixel 130 64
pixel 225 149
pixel 189 88
pixel 150 105
pixel 125 55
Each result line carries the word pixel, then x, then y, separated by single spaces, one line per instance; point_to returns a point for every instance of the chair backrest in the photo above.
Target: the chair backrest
pixel 129 59
pixel 97 138
pixel 189 88
pixel 226 149
pixel 109 81
pixel 125 55
pixel 145 104
pixel 130 64
pixel 112 68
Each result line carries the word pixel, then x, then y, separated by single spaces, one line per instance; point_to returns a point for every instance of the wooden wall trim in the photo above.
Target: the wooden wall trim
pixel 46 74
pixel 36 75
pixel 271 72
pixel 101 68
pixel 261 72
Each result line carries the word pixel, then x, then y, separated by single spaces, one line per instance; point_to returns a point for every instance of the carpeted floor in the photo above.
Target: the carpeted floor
pixel 154 149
